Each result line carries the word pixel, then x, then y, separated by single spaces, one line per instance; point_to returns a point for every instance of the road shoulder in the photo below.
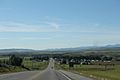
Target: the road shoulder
pixel 74 76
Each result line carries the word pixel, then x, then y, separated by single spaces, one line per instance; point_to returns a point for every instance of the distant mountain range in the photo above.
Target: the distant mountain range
pixel 15 50
pixel 116 45
pixel 87 48
pixel 109 47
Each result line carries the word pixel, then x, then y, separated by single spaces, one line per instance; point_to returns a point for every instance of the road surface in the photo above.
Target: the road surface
pixel 48 74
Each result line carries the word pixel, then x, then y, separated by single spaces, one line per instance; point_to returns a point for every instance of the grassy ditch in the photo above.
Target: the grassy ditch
pixel 95 71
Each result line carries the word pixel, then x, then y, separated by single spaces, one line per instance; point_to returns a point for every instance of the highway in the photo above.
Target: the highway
pixel 47 74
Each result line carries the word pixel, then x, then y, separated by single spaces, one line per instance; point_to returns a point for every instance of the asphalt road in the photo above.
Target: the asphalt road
pixel 48 74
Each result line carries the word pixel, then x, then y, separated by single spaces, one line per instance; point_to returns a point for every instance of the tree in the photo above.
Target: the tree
pixel 15 60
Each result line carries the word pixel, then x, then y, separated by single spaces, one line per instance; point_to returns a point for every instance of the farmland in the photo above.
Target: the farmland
pixel 95 71
pixel 100 64
pixel 27 65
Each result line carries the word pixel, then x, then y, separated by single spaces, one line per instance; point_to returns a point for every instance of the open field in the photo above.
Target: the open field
pixel 28 65
pixel 11 69
pixel 35 65
pixel 4 58
pixel 95 71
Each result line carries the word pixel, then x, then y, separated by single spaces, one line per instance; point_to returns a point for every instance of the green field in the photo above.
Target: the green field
pixel 28 64
pixel 95 71
pixel 11 69
pixel 35 65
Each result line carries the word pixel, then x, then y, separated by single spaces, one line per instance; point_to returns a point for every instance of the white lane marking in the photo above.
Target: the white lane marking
pixel 64 75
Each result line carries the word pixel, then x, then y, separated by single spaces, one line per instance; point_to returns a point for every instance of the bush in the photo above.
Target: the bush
pixel 15 60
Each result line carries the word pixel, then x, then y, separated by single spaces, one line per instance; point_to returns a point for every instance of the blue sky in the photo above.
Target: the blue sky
pixel 43 24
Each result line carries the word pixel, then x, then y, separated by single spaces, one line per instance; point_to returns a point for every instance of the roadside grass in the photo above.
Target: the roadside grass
pixel 4 58
pixel 35 65
pixel 10 69
pixel 95 71
pixel 31 65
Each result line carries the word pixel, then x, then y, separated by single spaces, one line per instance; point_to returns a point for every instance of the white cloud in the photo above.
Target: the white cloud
pixel 21 27
pixel 25 38
pixel 3 38
pixel 5 8
pixel 34 38
pixel 48 18
pixel 55 27
pixel 96 25
pixel 53 24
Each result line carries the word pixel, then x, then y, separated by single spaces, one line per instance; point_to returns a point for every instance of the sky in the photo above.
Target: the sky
pixel 48 24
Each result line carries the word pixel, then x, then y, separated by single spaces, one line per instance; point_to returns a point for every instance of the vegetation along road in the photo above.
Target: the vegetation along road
pixel 49 73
